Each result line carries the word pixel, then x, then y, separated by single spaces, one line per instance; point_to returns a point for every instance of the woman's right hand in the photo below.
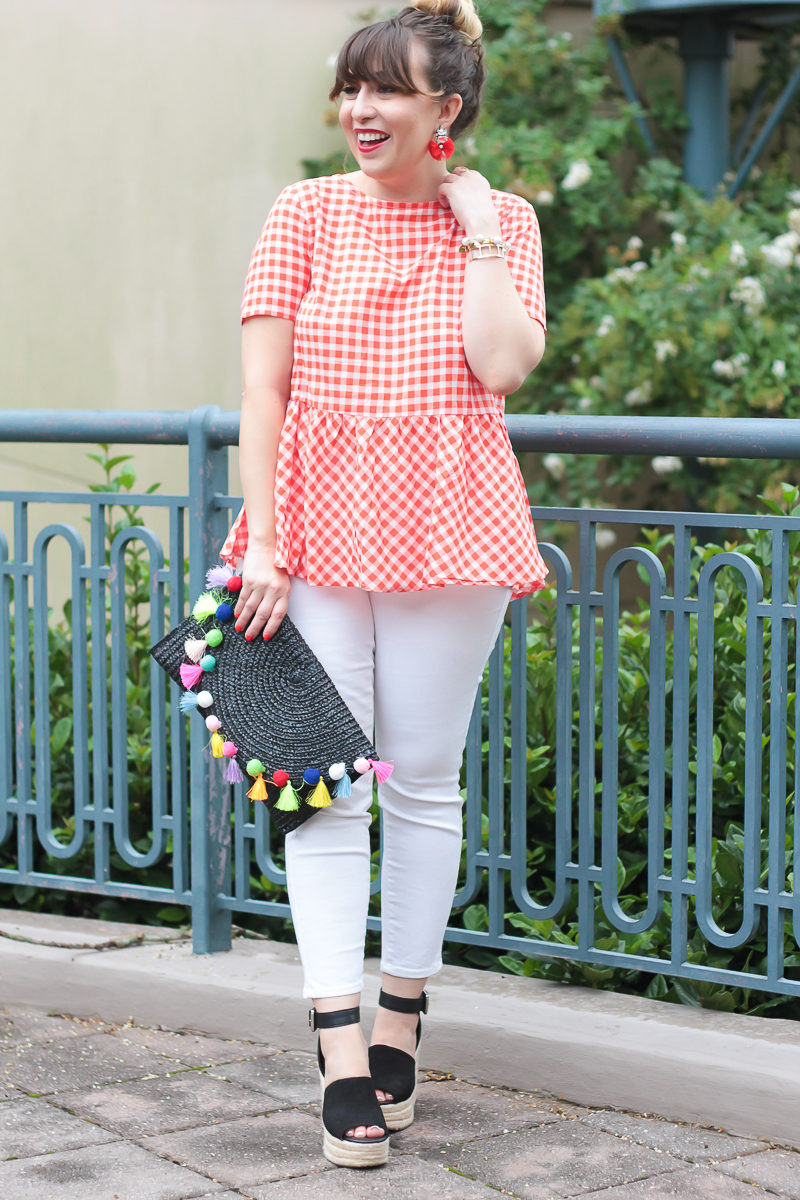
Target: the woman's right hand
pixel 264 596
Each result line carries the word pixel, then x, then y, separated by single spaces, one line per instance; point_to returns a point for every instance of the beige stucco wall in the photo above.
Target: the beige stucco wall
pixel 142 143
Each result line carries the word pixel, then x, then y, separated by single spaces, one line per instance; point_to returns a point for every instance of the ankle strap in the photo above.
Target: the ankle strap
pixel 403 1004
pixel 331 1020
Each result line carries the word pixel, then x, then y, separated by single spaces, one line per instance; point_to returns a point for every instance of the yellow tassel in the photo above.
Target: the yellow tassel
pixel 320 797
pixel 259 789
pixel 217 742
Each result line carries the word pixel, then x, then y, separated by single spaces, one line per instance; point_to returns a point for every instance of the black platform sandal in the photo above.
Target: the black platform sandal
pixel 394 1070
pixel 347 1103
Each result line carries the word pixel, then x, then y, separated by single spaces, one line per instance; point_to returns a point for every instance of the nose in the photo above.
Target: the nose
pixel 363 104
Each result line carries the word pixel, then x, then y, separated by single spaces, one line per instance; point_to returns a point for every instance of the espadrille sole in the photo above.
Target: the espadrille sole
pixel 363 1152
pixel 399 1115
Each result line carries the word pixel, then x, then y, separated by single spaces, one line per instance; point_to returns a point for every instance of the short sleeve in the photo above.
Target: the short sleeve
pixel 521 230
pixel 280 267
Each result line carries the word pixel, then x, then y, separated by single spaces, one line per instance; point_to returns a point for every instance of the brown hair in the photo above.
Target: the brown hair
pixel 449 32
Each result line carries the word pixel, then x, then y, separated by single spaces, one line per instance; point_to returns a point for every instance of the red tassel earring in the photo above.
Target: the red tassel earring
pixel 441 146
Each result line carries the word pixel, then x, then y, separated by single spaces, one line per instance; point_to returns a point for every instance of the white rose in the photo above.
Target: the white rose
pixel 666 464
pixel 778 255
pixel 779 368
pixel 606 325
pixel 678 240
pixel 585 403
pixel 793 197
pixel 664 349
pixel 544 197
pixel 635 244
pixel 737 255
pixel 555 465
pixel 638 266
pixel 793 220
pixel 749 292
pixel 722 368
pixel 579 173
pixel 604 539
pixel 640 396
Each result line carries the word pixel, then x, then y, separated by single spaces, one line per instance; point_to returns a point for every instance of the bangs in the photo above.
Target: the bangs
pixel 379 54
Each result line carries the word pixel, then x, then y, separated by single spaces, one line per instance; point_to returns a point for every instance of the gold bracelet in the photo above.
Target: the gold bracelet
pixel 486 247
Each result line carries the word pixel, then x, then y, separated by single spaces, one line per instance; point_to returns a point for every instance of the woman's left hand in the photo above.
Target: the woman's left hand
pixel 468 196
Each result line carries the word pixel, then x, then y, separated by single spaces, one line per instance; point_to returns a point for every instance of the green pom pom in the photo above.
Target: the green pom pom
pixel 205 607
pixel 214 637
pixel 255 767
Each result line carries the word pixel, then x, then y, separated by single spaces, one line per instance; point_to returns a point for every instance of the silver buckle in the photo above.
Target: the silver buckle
pixel 312 1020
pixel 425 1000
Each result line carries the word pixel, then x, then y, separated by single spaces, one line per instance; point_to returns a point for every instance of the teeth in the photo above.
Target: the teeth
pixel 371 137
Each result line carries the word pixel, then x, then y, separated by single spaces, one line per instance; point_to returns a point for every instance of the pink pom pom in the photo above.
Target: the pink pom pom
pixel 190 674
pixel 212 724
pixel 361 765
pixel 229 750
pixel 382 770
pixel 218 576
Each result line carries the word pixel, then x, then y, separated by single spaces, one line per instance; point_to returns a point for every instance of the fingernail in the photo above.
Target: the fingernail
pixel 248 637
pixel 238 629
pixel 267 636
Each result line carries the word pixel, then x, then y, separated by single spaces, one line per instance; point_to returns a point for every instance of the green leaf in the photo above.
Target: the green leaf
pixel 62 731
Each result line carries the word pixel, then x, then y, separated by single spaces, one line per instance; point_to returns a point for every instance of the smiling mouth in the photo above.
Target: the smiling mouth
pixel 368 142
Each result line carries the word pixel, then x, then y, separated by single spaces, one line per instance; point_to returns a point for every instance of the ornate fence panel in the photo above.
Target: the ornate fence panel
pixel 211 849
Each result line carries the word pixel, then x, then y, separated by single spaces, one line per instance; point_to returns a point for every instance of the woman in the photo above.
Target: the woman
pixel 385 511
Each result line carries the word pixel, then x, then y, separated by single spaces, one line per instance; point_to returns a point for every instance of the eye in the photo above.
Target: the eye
pixel 349 89
pixel 387 87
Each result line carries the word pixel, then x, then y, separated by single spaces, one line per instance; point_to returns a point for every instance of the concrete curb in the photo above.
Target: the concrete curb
pixel 592 1048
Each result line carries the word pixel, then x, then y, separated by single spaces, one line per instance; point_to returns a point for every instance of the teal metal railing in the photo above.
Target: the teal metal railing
pixel 215 852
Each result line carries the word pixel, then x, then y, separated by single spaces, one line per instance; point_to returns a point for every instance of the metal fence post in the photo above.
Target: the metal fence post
pixel 209 795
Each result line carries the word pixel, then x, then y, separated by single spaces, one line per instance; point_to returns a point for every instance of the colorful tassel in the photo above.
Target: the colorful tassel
pixel 344 788
pixel 190 673
pixel 233 772
pixel 218 576
pixel 259 789
pixel 320 797
pixel 288 801
pixel 188 702
pixel 205 607
pixel 195 649
pixel 382 769
pixel 217 742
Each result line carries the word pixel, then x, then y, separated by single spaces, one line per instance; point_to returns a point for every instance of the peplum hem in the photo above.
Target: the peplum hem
pixel 399 503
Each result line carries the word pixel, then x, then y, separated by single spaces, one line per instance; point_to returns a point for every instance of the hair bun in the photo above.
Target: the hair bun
pixel 461 14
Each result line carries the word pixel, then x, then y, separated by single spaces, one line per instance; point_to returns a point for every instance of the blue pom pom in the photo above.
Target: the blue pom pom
pixel 208 662
pixel 311 776
pixel 224 612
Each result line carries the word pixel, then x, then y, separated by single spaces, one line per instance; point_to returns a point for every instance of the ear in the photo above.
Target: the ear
pixel 450 108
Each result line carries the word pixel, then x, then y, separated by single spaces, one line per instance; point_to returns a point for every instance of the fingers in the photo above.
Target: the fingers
pixel 261 608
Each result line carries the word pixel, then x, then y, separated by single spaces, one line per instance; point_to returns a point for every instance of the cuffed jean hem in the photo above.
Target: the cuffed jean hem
pixel 324 993
pixel 410 972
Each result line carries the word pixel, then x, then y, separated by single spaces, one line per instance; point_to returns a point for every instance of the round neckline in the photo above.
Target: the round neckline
pixel 394 203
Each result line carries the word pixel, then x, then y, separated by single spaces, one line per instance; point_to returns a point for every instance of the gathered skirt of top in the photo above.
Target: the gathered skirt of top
pixel 399 503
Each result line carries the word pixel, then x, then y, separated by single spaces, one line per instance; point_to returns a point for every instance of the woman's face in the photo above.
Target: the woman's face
pixel 388 131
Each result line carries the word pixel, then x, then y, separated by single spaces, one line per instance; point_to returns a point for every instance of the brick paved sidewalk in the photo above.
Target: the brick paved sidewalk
pixel 91 1110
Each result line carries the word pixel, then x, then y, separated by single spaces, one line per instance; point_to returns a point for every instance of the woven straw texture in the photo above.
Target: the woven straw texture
pixel 277 703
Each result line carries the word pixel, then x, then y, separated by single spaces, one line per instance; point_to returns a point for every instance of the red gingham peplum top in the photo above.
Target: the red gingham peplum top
pixel 394 472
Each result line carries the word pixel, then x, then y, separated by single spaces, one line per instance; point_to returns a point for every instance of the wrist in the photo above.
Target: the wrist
pixel 488 228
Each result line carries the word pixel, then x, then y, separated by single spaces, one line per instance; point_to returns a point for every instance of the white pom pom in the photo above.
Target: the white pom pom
pixel 336 770
pixel 205 699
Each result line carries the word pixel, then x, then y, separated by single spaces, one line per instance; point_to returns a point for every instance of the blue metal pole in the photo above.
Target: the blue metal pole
pixel 209 794
pixel 706 48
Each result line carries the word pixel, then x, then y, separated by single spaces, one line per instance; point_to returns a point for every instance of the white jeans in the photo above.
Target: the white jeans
pixel 408 665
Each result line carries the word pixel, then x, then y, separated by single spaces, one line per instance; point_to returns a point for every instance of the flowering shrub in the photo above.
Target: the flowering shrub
pixel 659 301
